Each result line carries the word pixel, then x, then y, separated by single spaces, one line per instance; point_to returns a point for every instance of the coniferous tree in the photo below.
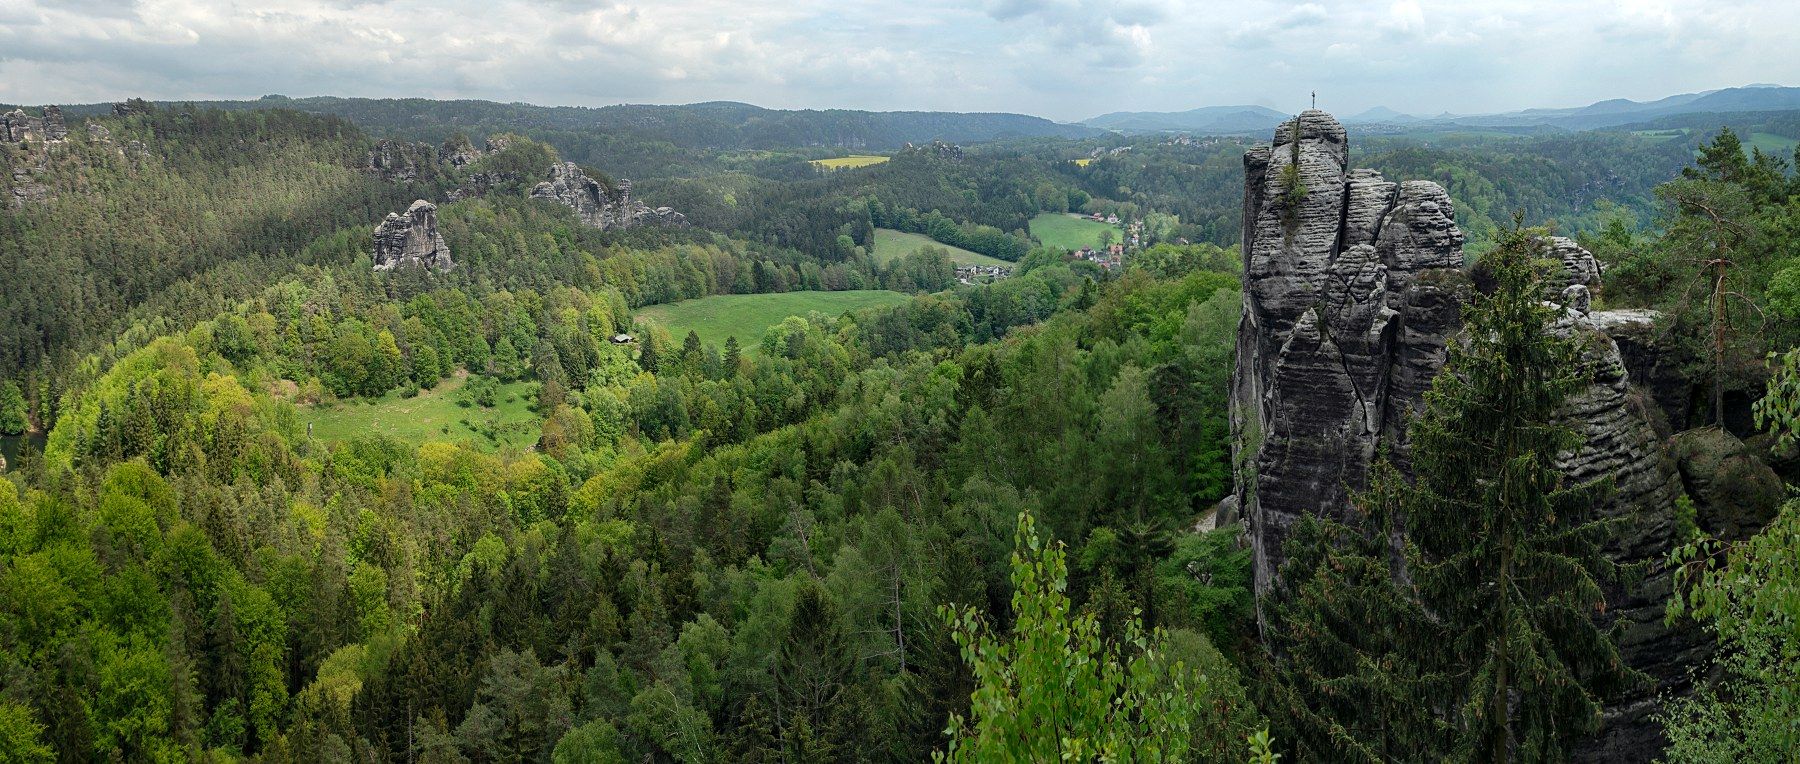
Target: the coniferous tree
pixel 1502 549
pixel 1485 619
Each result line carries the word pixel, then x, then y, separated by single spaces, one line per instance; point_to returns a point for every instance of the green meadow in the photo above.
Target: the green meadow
pixel 435 414
pixel 749 316
pixel 1069 231
pixel 891 245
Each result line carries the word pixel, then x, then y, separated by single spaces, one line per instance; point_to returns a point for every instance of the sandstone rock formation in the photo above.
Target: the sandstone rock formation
pixel 411 239
pixel 601 205
pixel 457 151
pixel 399 161
pixel 18 127
pixel 1353 286
pixel 28 141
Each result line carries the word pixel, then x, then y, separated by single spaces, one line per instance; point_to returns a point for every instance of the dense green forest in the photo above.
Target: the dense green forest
pixel 978 524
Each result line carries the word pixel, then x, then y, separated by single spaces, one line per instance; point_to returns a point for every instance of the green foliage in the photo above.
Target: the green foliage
pixel 21 736
pixel 1055 689
pixel 13 412
pixel 1494 624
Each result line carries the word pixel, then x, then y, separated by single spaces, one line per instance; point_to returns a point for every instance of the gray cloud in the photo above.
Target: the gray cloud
pixel 1059 58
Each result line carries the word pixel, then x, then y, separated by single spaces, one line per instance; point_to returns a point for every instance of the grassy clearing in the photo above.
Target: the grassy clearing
pixel 1069 231
pixel 435 414
pixel 891 245
pixel 749 316
pixel 854 160
pixel 1780 146
pixel 1083 162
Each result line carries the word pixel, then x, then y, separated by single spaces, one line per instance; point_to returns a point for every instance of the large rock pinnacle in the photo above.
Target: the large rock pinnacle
pixel 411 239
pixel 1353 286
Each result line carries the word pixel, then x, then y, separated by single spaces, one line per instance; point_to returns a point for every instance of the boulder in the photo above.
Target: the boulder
pixel 1735 492
pixel 411 239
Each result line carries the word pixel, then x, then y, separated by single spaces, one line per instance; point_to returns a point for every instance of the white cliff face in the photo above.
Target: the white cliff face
pixel 1353 286
pixel 411 239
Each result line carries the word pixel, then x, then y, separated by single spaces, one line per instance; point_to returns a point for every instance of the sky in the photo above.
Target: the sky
pixel 1062 59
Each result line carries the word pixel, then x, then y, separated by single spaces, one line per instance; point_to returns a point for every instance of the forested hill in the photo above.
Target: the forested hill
pixel 717 124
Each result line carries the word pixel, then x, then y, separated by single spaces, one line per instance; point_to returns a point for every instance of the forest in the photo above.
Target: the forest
pixel 982 523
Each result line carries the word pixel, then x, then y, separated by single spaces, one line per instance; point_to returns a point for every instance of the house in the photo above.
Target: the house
pixel 621 339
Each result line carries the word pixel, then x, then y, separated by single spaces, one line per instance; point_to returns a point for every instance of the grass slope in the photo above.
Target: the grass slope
pixel 891 245
pixel 1781 146
pixel 749 316
pixel 1070 232
pixel 433 414
pixel 854 160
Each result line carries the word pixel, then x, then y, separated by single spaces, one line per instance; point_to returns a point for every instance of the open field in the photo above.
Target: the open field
pixel 1083 162
pixel 749 316
pixel 433 414
pixel 1069 231
pixel 854 160
pixel 1779 145
pixel 891 245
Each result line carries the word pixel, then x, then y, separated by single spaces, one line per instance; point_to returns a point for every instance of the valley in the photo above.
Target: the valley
pixel 531 424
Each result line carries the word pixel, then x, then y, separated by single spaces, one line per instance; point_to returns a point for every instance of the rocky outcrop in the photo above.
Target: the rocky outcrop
pixel 457 151
pixel 1735 492
pixel 28 142
pixel 411 239
pixel 1353 287
pixel 605 206
pixel 399 161
pixel 18 127
pixel 132 107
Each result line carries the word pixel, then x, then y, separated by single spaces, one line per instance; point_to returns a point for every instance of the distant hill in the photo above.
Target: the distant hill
pixel 1221 120
pixel 1619 111
pixel 717 124
pixel 1229 120
pixel 1381 115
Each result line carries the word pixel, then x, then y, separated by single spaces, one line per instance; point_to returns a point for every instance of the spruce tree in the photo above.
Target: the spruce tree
pixel 1502 549
pixel 1459 621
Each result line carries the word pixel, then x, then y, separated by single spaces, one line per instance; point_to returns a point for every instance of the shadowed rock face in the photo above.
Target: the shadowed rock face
pixel 1353 286
pixel 411 239
pixel 600 205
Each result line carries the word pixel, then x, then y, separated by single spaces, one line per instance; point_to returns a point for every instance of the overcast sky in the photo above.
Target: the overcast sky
pixel 1063 59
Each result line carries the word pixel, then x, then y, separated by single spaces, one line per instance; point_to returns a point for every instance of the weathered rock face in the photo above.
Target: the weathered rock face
pixel 411 239
pixel 29 142
pixel 18 127
pixel 1735 492
pixel 1353 287
pixel 399 161
pixel 457 151
pixel 601 205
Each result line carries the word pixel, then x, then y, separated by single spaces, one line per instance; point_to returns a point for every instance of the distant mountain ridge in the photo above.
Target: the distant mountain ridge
pixel 713 124
pixel 1613 112
pixel 1206 119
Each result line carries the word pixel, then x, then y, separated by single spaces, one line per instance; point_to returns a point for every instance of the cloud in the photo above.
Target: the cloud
pixel 1060 58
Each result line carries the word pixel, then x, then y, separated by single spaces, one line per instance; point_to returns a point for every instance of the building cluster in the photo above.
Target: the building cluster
pixel 981 274
pixel 1111 257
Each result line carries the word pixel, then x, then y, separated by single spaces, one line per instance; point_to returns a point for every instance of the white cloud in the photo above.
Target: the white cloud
pixel 1060 58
